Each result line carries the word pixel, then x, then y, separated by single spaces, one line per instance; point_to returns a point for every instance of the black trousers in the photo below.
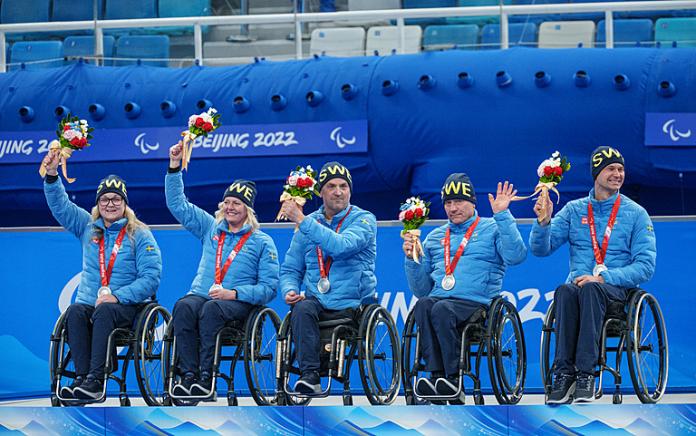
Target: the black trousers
pixel 197 317
pixel 88 330
pixel 580 313
pixel 437 320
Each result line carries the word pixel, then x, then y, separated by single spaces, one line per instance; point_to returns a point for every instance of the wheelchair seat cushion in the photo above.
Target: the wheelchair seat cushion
pixel 616 309
pixel 333 318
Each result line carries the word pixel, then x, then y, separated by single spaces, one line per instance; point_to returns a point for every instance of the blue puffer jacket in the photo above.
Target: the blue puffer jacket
pixel 253 273
pixel 495 243
pixel 352 273
pixel 136 273
pixel 631 254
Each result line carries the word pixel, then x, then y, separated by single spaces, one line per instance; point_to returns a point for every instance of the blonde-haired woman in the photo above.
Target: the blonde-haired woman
pixel 118 273
pixel 238 270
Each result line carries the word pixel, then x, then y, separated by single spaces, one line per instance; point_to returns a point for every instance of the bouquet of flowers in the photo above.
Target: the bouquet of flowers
pixel 198 125
pixel 300 186
pixel 550 172
pixel 414 213
pixel 73 134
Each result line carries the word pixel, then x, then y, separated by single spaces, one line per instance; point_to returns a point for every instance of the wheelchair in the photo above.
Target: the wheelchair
pixel 495 333
pixel 253 340
pixel 368 334
pixel 639 328
pixel 144 345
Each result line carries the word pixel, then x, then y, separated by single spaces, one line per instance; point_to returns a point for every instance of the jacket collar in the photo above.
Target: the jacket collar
pixel 224 227
pixel 609 202
pixel 463 227
pixel 336 218
pixel 115 226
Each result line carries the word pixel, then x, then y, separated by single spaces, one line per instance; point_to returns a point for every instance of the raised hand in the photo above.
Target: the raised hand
pixel 292 211
pixel 503 197
pixel 51 162
pixel 543 208
pixel 176 152
pixel 408 244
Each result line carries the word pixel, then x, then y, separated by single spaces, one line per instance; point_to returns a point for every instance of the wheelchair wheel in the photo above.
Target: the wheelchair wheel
pixel 507 360
pixel 380 366
pixel 647 349
pixel 288 358
pixel 60 359
pixel 148 356
pixel 547 348
pixel 408 360
pixel 261 334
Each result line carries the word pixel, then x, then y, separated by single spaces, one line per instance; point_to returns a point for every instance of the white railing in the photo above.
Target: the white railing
pixel 504 11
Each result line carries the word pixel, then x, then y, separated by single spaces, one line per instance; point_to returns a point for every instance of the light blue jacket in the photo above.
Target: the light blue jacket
pixel 354 249
pixel 136 273
pixel 253 273
pixel 495 243
pixel 631 253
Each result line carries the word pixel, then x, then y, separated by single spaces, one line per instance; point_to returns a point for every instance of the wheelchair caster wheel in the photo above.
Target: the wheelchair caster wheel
pixel 125 401
pixel 410 400
pixel 617 398
pixel 347 400
pixel 478 399
pixel 167 401
pixel 232 400
pixel 55 402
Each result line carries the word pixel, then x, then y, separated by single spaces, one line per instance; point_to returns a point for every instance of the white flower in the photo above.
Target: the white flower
pixel 206 117
pixel 555 154
pixel 83 122
pixel 292 180
pixel 309 168
pixel 212 111
pixel 192 120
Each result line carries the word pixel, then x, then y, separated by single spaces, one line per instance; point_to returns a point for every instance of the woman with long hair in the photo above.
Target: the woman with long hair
pixel 237 271
pixel 121 267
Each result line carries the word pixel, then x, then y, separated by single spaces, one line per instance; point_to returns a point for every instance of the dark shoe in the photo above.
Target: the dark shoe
pixel 562 390
pixel 309 383
pixel 448 387
pixel 183 388
pixel 204 387
pixel 90 389
pixel 584 388
pixel 425 386
pixel 67 391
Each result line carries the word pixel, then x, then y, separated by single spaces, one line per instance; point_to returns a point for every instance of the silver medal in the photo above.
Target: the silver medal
pixel 215 287
pixel 448 282
pixel 596 271
pixel 323 285
pixel 104 290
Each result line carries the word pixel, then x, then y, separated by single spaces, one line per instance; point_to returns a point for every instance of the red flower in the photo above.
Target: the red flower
pixel 75 142
pixel 558 171
pixel 207 127
pixel 199 122
pixel 548 171
pixel 409 215
pixel 418 212
pixel 66 128
pixel 305 183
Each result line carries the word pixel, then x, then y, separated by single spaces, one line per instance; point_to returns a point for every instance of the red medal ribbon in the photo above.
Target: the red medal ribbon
pixel 601 252
pixel 324 267
pixel 103 270
pixel 450 266
pixel 220 273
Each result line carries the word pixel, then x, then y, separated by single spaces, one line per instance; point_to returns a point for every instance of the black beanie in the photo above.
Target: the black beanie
pixel 112 183
pixel 603 156
pixel 334 170
pixel 458 186
pixel 245 190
